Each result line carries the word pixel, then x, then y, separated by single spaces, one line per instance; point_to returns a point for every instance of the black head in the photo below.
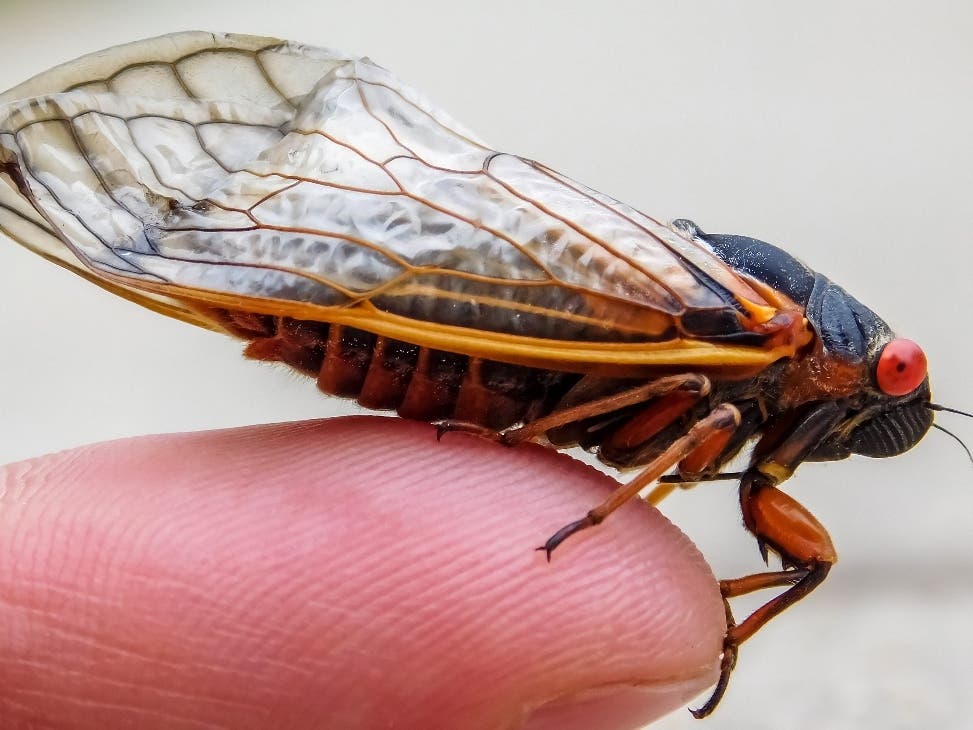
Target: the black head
pixel 892 412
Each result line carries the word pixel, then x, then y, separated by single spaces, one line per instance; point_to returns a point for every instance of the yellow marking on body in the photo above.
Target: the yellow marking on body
pixel 565 355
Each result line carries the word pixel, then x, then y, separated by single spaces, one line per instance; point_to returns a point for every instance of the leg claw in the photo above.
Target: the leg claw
pixel 564 533
pixel 729 661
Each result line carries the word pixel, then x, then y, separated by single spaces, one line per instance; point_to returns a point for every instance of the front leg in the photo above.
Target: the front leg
pixel 782 524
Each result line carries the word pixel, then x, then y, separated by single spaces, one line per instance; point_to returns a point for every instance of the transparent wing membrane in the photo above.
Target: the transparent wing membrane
pixel 270 176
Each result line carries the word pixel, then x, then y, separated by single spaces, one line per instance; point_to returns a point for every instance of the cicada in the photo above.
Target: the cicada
pixel 332 217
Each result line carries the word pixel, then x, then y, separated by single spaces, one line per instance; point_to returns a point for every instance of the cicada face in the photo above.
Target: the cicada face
pixel 879 425
pixel 896 413
pixel 892 431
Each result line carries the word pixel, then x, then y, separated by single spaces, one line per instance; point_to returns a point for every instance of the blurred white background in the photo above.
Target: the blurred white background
pixel 841 131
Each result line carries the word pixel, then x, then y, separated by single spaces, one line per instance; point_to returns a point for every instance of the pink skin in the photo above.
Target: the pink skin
pixel 351 573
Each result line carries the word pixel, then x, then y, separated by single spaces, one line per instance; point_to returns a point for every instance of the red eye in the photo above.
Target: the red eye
pixel 901 367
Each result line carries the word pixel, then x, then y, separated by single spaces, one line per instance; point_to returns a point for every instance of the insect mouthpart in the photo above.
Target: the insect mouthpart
pixel 893 432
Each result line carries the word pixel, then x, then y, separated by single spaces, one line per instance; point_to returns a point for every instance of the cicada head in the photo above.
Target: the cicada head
pixel 856 359
pixel 891 413
pixel 889 407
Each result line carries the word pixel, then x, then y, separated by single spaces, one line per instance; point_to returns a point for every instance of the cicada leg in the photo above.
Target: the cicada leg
pixel 696 386
pixel 721 419
pixel 692 387
pixel 671 482
pixel 782 524
pixel 473 429
pixel 688 388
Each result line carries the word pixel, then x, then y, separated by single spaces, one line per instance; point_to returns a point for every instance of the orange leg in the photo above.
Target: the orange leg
pixel 696 386
pixel 691 468
pixel 722 418
pixel 780 523
pixel 650 421
pixel 693 387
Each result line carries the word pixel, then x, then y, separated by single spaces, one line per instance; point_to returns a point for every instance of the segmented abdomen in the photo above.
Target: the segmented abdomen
pixel 382 373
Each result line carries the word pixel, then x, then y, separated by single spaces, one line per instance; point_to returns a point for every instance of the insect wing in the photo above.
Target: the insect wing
pixel 247 173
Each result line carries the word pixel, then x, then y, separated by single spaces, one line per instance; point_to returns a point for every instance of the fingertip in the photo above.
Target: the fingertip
pixel 382 575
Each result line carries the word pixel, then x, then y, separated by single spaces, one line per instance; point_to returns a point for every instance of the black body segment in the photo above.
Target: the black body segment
pixel 846 327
